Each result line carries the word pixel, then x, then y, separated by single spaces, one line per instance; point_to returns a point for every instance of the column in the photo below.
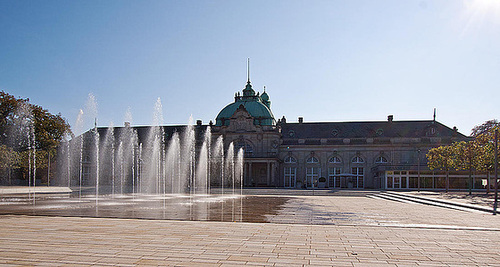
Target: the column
pixel 273 174
pixel 250 175
pixel 268 173
pixel 245 175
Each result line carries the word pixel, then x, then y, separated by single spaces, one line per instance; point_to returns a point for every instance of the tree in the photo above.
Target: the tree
pixel 485 127
pixel 25 126
pixel 485 141
pixel 441 158
pixel 477 154
pixel 466 158
pixel 9 160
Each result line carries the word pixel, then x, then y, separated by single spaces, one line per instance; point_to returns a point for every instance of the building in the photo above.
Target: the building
pixel 374 154
pixel 386 154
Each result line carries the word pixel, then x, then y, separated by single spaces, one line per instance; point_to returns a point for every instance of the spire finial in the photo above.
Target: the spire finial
pixel 434 117
pixel 264 88
pixel 248 69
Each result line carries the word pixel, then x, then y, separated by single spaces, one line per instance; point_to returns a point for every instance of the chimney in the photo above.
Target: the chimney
pixel 301 119
pixel 127 124
pixel 390 118
pixel 198 122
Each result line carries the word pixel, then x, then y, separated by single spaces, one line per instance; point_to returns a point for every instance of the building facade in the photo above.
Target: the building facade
pixel 386 154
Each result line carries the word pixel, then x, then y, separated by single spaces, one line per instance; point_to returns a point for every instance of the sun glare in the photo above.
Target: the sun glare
pixel 480 13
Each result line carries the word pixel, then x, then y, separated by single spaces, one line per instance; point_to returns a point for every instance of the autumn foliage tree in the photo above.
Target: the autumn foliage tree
pixel 475 155
pixel 442 158
pixel 485 140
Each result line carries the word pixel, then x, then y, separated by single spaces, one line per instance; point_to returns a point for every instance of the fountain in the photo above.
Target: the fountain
pixel 187 167
pixel 153 160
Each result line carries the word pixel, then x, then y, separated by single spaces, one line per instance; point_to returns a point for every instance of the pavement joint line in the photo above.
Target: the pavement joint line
pixel 404 226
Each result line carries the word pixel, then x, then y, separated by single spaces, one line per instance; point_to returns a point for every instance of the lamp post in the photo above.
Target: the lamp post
pixel 495 205
pixel 470 167
pixel 418 169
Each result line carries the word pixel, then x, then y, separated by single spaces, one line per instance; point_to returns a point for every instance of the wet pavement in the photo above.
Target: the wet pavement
pixel 164 207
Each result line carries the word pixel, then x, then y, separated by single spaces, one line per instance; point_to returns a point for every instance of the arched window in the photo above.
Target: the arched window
pixel 334 159
pixel 381 159
pixel 312 160
pixel 290 160
pixel 357 159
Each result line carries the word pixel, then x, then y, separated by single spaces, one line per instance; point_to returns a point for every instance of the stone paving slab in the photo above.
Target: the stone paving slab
pixel 61 241
pixel 381 212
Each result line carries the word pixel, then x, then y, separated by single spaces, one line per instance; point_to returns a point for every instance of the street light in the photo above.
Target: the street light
pixel 418 169
pixel 496 173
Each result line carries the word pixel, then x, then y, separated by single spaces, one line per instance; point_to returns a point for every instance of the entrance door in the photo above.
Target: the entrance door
pixel 259 174
pixel 397 182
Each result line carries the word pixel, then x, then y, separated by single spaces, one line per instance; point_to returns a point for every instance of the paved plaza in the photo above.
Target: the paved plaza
pixel 307 230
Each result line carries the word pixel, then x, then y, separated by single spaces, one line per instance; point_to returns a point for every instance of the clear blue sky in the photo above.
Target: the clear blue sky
pixel 323 60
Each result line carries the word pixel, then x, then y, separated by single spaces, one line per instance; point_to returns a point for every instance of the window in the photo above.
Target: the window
pixel 334 159
pixel 86 174
pixel 290 177
pixel 398 179
pixel 431 131
pixel 246 147
pixel 381 159
pixel 358 177
pixel 333 176
pixel 312 160
pixel 290 160
pixel 312 175
pixel 357 159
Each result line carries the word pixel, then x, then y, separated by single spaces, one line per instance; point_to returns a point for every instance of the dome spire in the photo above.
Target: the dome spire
pixel 248 91
pixel 248 70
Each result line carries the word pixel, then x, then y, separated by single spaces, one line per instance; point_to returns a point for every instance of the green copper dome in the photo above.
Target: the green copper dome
pixel 254 104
